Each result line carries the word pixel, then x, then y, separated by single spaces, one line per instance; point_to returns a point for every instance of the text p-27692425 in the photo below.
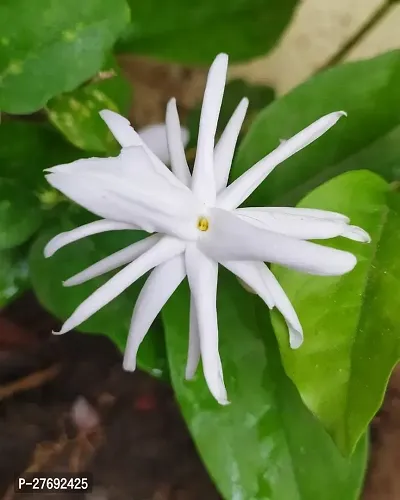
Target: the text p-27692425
pixel 53 482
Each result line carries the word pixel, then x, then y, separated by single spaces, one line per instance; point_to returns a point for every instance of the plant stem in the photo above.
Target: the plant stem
pixel 364 29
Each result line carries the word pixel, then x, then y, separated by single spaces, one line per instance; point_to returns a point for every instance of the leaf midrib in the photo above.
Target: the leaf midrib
pixel 278 404
pixel 384 217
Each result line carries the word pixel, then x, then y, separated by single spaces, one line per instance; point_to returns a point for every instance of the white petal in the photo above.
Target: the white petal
pixel 203 184
pixel 284 305
pixel 225 148
pixel 251 273
pixel 99 226
pixel 303 225
pixel 113 261
pixel 235 194
pixel 231 238
pixel 155 137
pixel 357 234
pixel 121 128
pixel 306 212
pixel 164 250
pixel 202 274
pixel 127 137
pixel 176 144
pixel 160 285
pixel 296 226
pixel 193 358
pixel 129 189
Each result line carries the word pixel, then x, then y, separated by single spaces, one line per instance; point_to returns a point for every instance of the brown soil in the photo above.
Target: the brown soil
pixel 139 449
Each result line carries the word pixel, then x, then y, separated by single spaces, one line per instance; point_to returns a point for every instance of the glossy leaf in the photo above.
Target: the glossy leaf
pixel 113 320
pixel 369 138
pixel 76 114
pixel 20 214
pixel 194 32
pixel 27 148
pixel 14 276
pixel 351 323
pixel 48 47
pixel 265 444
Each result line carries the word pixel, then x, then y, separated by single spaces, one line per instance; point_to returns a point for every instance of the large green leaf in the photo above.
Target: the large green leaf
pixel 113 320
pixel 351 323
pixel 76 114
pixel 20 214
pixel 368 139
pixel 27 148
pixel 194 32
pixel 265 444
pixel 50 46
pixel 14 277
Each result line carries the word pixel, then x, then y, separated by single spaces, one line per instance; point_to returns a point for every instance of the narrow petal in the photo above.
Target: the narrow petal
pixel 155 137
pixel 225 148
pixel 296 226
pixel 284 305
pixel 99 226
pixel 237 192
pixel 251 274
pixel 121 129
pixel 129 189
pixel 113 261
pixel 203 183
pixel 127 136
pixel 202 274
pixel 306 212
pixel 357 234
pixel 160 285
pixel 164 250
pixel 193 358
pixel 176 144
pixel 263 282
pixel 231 238
pixel 301 225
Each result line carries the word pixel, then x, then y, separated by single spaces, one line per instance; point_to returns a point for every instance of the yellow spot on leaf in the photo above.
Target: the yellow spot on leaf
pixel 85 111
pixel 69 36
pixel 68 120
pixel 98 95
pixel 74 104
pixel 14 68
pixel 202 224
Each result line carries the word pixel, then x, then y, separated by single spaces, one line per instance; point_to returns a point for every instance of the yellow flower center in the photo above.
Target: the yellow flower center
pixel 202 224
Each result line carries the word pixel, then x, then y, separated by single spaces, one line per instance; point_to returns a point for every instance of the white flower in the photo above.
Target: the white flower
pixel 197 225
pixel 155 137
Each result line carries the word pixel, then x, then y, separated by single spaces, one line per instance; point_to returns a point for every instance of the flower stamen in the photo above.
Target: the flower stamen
pixel 202 224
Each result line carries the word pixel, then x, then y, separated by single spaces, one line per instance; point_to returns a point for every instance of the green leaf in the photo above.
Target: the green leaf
pixel 351 328
pixel 194 32
pixel 49 46
pixel 76 114
pixel 14 276
pixel 368 139
pixel 20 214
pixel 27 148
pixel 265 444
pixel 259 97
pixel 113 320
